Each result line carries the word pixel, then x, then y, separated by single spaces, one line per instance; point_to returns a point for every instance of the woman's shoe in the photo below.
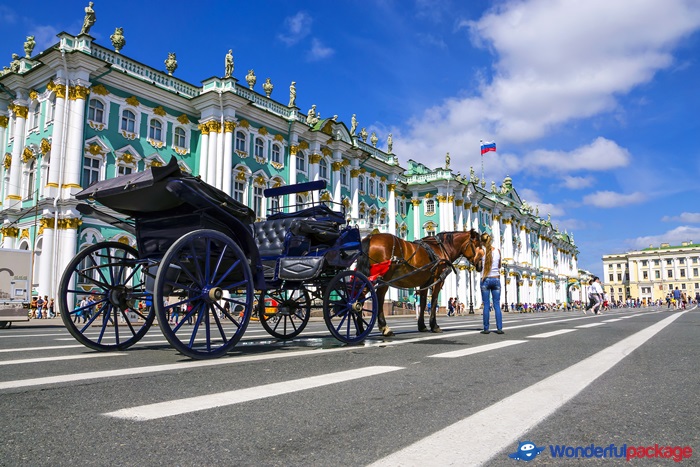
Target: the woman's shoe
pixel 500 331
pixel 485 331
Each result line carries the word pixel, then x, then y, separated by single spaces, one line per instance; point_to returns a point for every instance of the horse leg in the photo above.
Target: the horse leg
pixel 381 319
pixel 433 310
pixel 421 318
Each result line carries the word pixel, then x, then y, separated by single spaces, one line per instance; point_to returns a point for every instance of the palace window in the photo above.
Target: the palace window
pixel 238 191
pixel 155 130
pixel 361 183
pixel 619 277
pixel 276 154
pixel 96 111
pixel 50 110
pixel 179 138
pixel 124 170
pixel 323 169
pixel 31 174
pixel 695 272
pixel 259 148
pixel 371 187
pixel 430 206
pixel 34 118
pixel 645 262
pixel 657 275
pixel 670 273
pixel 128 121
pixel 275 204
pixel 682 271
pixel 240 141
pixel 612 277
pixel 681 260
pixel 91 170
pixel 382 189
pixel 301 162
pixel 669 262
pixel 258 201
pixel 344 176
pixel 645 274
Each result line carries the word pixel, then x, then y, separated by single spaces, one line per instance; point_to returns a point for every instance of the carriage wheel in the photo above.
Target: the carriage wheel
pixel 350 307
pixel 206 275
pixel 112 274
pixel 285 313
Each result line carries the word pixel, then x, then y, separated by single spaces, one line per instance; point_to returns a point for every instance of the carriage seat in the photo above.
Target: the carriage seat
pixel 270 235
pixel 318 211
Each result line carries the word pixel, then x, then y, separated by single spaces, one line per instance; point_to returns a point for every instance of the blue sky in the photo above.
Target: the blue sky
pixel 593 103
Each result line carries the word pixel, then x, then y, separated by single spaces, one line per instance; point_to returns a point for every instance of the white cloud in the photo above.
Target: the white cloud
pixel 45 36
pixel 689 217
pixel 7 15
pixel 533 199
pixel 558 61
pixel 576 183
pixel 319 51
pixel 296 27
pixel 611 199
pixel 601 154
pixel 673 237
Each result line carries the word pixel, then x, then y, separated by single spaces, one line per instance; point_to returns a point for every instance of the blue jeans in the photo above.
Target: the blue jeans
pixel 492 287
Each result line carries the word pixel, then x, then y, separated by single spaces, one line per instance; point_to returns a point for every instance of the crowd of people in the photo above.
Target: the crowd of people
pixel 42 308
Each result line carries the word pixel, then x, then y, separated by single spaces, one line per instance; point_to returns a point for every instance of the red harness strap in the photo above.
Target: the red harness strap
pixel 378 270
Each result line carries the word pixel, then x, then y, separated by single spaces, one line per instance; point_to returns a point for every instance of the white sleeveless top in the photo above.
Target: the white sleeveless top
pixel 496 259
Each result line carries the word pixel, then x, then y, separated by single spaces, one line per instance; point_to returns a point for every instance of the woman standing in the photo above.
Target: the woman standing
pixel 491 283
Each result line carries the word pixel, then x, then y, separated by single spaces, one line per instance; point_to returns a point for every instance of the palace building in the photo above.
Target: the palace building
pixel 652 273
pixel 79 112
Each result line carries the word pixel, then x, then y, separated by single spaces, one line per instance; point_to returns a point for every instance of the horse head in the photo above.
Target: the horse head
pixel 473 250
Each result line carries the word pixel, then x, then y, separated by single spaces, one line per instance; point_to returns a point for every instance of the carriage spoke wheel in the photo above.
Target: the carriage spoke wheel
pixel 350 307
pixel 285 313
pixel 112 276
pixel 199 275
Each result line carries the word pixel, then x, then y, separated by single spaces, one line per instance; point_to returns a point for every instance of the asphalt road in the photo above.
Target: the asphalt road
pixel 559 380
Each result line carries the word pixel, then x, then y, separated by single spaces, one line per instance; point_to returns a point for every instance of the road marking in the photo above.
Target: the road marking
pixel 210 401
pixel 56 359
pixel 590 325
pixel 612 320
pixel 475 350
pixel 59 379
pixel 32 335
pixel 49 347
pixel 500 426
pixel 551 334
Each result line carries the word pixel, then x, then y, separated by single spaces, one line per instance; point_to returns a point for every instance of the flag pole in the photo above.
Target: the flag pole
pixel 481 146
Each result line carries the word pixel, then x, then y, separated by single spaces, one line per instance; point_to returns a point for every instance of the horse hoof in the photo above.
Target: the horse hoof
pixel 423 329
pixel 436 330
pixel 388 333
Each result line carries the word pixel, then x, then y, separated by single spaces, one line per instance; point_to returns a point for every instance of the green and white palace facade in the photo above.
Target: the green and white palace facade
pixel 79 112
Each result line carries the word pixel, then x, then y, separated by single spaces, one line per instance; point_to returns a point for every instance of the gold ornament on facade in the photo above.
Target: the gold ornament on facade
pixel 11 232
pixel 96 126
pixel 391 187
pixel 95 149
pixel 277 183
pixel 336 166
pixel 7 161
pixel 326 152
pixel 123 240
pixel 155 163
pixel 27 155
pixel 277 165
pixel 459 202
pixel 4 121
pixel 326 196
pixel 382 178
pixel 99 89
pixel 263 131
pixel 128 158
pixel 244 124
pixel 58 89
pixel 315 158
pixel 214 126
pixel 293 149
pixel 475 208
pixel 160 111
pixel 33 94
pixel 47 223
pixel 278 137
pixel 229 126
pixel 183 119
pixel 450 198
pixel 24 234
pixel 203 128
pixel 415 202
pixel 347 202
pixel 354 173
pixel 18 110
pixel 303 145
pixel 428 195
pixel 44 146
pixel 260 181
pixel 241 175
pixel 78 92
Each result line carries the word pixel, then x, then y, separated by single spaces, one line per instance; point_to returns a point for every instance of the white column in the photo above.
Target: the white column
pixel 219 178
pixel 355 191
pixel 9 235
pixel 214 128
pixel 508 238
pixel 417 233
pixel 441 206
pixel 59 126
pixel 47 255
pixel 391 187
pixel 292 164
pixel 204 150
pixel 459 203
pixel 229 128
pixel 13 197
pixel 67 243
pixel 75 140
pixel 475 218
pixel 336 166
pixel 496 229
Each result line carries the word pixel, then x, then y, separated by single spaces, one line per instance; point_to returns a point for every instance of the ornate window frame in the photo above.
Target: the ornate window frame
pixel 137 122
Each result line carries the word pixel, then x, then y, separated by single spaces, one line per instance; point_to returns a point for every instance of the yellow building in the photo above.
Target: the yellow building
pixel 652 273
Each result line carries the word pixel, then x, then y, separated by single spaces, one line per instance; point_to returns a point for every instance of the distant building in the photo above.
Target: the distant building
pixel 79 112
pixel 652 273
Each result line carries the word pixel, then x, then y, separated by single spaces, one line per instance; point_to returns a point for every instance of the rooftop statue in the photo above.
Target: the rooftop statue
pixel 353 125
pixel 118 40
pixel 374 140
pixel 251 79
pixel 363 135
pixel 311 115
pixel 29 46
pixel 267 87
pixel 390 143
pixel 171 63
pixel 228 64
pixel 89 19
pixel 447 161
pixel 15 64
pixel 292 94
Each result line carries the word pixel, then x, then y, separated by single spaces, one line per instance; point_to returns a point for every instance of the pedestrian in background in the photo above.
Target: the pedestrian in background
pixel 491 283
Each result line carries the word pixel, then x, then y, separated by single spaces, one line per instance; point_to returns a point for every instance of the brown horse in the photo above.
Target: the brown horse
pixel 424 264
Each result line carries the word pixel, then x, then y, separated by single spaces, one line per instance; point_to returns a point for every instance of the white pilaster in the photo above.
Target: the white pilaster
pixel 74 143
pixel 13 197
pixel 212 152
pixel 57 134
pixel 204 151
pixel 227 167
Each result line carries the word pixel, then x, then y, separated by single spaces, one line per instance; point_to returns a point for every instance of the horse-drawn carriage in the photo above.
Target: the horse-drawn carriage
pixel 201 255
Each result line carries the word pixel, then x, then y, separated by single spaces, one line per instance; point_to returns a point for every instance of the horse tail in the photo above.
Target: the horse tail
pixel 363 260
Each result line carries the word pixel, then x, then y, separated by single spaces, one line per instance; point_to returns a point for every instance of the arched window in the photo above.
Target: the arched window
pixel 96 111
pixel 259 148
pixel 240 141
pixel 128 121
pixel 371 187
pixel 344 176
pixel 276 154
pixel 34 120
pixel 323 169
pixel 382 190
pixel 361 183
pixel 179 139
pixel 155 130
pixel 30 180
pixel 258 201
pixel 50 109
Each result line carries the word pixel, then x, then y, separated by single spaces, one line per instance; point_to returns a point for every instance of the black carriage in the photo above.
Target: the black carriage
pixel 203 267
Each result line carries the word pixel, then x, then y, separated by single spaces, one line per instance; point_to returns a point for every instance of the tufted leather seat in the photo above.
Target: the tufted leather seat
pixel 270 234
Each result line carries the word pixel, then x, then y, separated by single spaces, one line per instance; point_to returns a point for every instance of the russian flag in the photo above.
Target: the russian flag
pixel 487 146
